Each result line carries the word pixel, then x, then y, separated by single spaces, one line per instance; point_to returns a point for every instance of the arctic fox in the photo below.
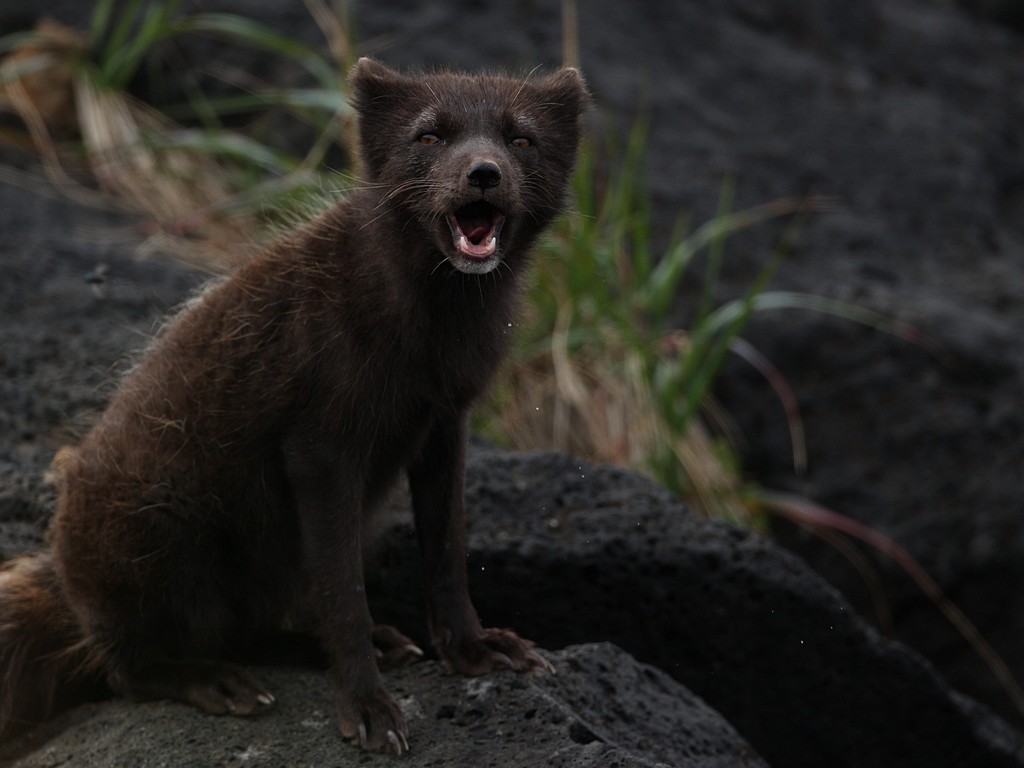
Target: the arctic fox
pixel 230 483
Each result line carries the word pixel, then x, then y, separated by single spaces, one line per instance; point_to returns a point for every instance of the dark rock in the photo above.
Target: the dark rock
pixel 563 551
pixel 601 709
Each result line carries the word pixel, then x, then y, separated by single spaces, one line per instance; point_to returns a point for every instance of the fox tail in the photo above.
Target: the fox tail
pixel 42 657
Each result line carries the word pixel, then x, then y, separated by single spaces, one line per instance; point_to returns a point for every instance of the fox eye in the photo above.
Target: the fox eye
pixel 521 142
pixel 429 139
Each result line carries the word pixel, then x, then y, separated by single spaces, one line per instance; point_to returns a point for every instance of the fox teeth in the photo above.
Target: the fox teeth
pixel 466 247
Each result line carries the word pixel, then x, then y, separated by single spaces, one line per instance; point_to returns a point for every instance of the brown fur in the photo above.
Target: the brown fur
pixel 236 469
pixel 37 639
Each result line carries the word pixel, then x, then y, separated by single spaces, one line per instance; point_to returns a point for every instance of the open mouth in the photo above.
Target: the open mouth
pixel 475 229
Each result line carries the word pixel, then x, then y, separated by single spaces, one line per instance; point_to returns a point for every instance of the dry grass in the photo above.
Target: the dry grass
pixel 201 197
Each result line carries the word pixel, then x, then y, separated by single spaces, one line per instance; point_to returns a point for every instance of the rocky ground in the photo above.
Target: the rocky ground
pixel 907 111
pixel 776 665
pixel 499 721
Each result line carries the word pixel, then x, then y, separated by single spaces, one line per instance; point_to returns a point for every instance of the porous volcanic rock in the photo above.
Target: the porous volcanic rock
pixel 602 708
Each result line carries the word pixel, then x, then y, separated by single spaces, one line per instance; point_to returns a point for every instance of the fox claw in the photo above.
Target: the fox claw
pixel 541 662
pixel 398 742
pixel 493 649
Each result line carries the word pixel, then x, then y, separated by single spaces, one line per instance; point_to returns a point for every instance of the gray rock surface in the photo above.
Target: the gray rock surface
pixel 745 625
pixel 602 708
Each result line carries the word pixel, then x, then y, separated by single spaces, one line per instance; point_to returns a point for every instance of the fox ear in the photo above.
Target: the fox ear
pixel 369 76
pixel 372 81
pixel 567 88
pixel 369 66
pixel 380 96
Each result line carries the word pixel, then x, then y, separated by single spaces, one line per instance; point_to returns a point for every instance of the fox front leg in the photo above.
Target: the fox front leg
pixel 328 503
pixel 436 480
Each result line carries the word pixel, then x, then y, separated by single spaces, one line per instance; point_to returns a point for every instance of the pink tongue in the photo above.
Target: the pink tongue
pixel 476 234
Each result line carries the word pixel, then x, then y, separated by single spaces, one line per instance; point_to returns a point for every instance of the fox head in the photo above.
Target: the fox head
pixel 479 163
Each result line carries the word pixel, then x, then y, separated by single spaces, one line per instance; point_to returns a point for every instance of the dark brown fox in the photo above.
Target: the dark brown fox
pixel 232 479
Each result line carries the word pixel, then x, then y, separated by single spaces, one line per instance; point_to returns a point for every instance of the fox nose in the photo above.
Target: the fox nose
pixel 484 174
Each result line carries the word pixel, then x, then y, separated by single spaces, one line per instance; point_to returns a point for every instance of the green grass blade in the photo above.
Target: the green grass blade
pixel 325 102
pixel 111 53
pixel 778 300
pixel 236 147
pixel 664 283
pixel 716 250
pixel 100 20
pixel 255 35
pixel 124 61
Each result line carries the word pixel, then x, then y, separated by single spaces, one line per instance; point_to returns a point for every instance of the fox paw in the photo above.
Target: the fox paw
pixel 393 649
pixel 227 689
pixel 217 688
pixel 373 721
pixel 494 649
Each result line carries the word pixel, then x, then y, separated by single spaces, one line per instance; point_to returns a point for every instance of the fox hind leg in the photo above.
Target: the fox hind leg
pixel 215 687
